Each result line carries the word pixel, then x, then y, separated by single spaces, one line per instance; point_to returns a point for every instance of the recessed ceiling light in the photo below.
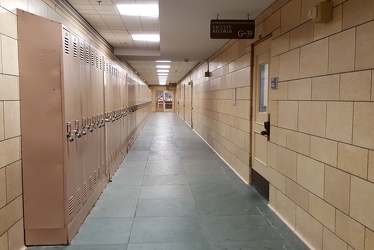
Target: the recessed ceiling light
pixel 146 37
pixel 163 66
pixel 163 61
pixel 162 74
pixel 138 9
pixel 162 83
pixel 163 70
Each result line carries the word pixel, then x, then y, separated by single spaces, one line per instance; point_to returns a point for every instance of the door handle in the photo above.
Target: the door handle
pixel 267 130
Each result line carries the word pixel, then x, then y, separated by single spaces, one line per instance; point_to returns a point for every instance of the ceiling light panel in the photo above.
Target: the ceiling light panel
pixel 146 37
pixel 163 66
pixel 150 10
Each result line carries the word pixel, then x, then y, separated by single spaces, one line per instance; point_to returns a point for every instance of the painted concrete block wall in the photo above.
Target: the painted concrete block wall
pixel 322 118
pixel 321 153
pixel 223 125
pixel 11 209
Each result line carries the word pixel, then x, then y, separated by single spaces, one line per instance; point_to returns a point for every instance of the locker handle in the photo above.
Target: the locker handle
pixel 91 125
pixel 107 118
pixel 98 124
pixel 76 130
pixel 68 132
pixel 84 126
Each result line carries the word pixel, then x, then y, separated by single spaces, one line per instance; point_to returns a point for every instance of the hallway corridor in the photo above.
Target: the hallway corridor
pixel 172 192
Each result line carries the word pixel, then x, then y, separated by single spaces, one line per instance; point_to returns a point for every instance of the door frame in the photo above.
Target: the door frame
pixel 172 102
pixel 163 109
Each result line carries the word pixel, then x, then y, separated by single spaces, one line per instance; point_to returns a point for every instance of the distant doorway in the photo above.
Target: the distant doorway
pixel 165 101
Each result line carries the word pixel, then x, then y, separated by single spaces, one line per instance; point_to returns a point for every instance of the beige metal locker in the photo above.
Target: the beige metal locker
pixel 60 174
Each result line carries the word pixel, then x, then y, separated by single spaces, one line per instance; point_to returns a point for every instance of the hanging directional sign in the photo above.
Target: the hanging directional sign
pixel 232 29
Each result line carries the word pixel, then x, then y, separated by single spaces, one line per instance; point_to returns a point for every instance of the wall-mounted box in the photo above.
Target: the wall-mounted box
pixel 321 13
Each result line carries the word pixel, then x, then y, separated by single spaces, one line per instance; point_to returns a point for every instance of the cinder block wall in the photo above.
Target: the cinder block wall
pixel 321 154
pixel 323 113
pixel 223 125
pixel 11 210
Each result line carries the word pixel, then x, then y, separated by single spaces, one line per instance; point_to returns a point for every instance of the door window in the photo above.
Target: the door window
pixel 263 88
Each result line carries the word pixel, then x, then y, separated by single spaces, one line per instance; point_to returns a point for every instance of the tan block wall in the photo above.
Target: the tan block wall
pixel 321 154
pixel 323 117
pixel 11 208
pixel 223 125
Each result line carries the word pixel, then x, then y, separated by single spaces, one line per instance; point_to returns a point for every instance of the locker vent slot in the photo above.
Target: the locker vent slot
pixel 103 168
pixel 92 59
pixel 79 196
pixel 87 56
pixel 71 205
pixel 75 48
pixel 90 183
pixel 94 177
pixel 98 173
pixel 82 53
pixel 85 189
pixel 101 62
pixel 97 61
pixel 66 45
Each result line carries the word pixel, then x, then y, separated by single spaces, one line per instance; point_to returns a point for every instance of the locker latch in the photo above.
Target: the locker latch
pixel 98 124
pixel 102 120
pixel 84 124
pixel 90 126
pixel 76 130
pixel 107 119
pixel 68 132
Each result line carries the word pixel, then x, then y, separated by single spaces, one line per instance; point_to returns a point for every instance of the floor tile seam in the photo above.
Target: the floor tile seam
pixel 138 197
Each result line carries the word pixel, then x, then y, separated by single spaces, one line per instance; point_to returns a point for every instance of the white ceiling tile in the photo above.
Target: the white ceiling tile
pixel 124 1
pixel 73 2
pixel 120 32
pixel 80 7
pixel 102 2
pixel 88 12
pixel 107 12
pixel 134 28
pixel 130 19
pixel 92 17
pixel 111 18
pixel 106 7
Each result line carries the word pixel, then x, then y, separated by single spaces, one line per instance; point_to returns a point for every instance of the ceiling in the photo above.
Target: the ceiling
pixel 183 26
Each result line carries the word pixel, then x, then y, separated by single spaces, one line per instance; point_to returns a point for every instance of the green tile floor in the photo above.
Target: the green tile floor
pixel 172 192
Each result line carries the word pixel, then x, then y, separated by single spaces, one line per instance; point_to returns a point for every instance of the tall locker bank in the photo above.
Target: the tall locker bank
pixel 63 129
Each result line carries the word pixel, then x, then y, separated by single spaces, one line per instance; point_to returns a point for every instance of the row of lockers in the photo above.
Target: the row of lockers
pixel 80 113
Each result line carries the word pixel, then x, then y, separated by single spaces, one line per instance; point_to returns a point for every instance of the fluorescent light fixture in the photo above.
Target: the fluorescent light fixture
pixel 163 61
pixel 162 83
pixel 138 9
pixel 163 66
pixel 146 37
pixel 163 71
pixel 162 74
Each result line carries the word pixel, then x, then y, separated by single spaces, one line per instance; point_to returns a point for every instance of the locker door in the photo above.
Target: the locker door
pixel 78 170
pixel 72 125
pixel 87 161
